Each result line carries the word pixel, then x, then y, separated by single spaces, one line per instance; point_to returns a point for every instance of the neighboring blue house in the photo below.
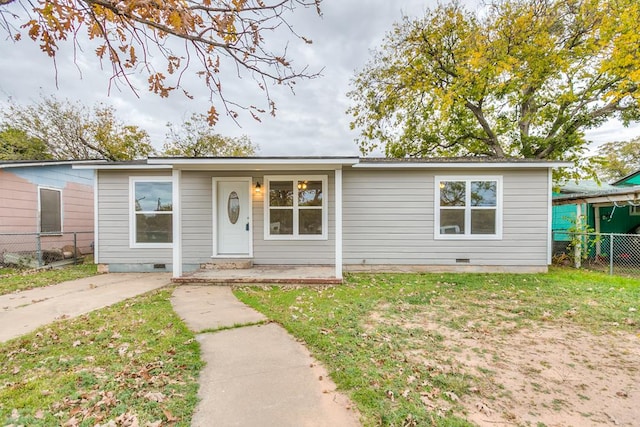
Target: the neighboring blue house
pixel 43 203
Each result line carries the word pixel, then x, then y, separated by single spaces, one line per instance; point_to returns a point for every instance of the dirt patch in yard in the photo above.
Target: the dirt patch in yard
pixel 533 374
pixel 558 376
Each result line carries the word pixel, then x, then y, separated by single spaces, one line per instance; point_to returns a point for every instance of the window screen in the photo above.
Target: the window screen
pixel 50 211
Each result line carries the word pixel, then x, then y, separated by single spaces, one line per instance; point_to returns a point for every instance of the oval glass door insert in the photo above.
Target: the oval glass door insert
pixel 233 207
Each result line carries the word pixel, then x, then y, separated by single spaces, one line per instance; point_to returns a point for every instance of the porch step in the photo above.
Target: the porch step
pixel 263 275
pixel 255 281
pixel 228 264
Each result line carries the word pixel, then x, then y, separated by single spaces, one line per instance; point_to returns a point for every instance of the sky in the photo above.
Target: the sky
pixel 312 121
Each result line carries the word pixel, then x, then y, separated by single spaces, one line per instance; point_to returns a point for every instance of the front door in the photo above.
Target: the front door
pixel 233 217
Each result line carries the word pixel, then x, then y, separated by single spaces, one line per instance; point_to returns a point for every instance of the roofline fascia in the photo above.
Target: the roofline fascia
pixel 355 162
pixel 598 199
pixel 256 161
pixel 47 163
pixel 122 167
pixel 443 165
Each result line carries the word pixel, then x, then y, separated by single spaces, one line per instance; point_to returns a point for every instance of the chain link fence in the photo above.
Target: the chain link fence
pixel 612 253
pixel 35 250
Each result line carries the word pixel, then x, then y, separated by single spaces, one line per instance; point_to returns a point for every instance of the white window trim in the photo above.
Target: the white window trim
pixel 50 233
pixel 634 210
pixel 132 211
pixel 325 207
pixel 467 217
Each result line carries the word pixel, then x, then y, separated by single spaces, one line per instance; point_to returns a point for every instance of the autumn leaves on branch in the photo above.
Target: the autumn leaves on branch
pixel 165 39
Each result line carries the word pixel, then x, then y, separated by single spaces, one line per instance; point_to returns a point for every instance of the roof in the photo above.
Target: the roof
pixel 624 180
pixel 323 162
pixel 230 163
pixel 447 162
pixel 468 159
pixel 4 164
pixel 182 158
pixel 128 164
pixel 603 198
pixel 585 186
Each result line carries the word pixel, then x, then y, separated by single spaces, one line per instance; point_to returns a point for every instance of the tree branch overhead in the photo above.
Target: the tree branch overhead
pixel 524 78
pixel 216 34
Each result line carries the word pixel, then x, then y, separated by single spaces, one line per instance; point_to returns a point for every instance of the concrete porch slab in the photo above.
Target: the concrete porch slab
pixel 265 274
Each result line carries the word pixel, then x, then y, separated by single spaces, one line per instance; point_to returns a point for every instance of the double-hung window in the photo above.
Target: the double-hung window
pixel 468 207
pixel 296 208
pixel 151 222
pixel 50 209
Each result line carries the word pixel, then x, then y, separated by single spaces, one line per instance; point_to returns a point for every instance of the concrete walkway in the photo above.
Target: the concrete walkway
pixel 255 375
pixel 22 312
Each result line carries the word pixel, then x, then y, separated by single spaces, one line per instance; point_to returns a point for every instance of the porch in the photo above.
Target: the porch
pixel 264 274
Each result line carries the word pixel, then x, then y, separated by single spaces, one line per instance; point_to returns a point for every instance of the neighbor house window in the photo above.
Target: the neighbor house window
pixel 50 203
pixel 151 212
pixel 296 207
pixel 468 207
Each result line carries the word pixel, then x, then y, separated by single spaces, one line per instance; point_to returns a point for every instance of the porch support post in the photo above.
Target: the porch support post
pixel 338 222
pixel 577 238
pixel 96 222
pixel 177 224
pixel 549 216
pixel 598 243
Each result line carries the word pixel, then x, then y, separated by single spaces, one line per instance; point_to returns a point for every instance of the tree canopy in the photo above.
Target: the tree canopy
pixel 16 144
pixel 618 159
pixel 72 131
pixel 65 130
pixel 163 40
pixel 195 138
pixel 520 78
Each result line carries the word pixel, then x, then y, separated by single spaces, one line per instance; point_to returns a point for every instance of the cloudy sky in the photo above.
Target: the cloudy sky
pixel 310 122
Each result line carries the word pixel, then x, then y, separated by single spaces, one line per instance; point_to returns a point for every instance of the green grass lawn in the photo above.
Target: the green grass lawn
pixel 373 332
pixel 134 363
pixel 12 280
pixel 382 337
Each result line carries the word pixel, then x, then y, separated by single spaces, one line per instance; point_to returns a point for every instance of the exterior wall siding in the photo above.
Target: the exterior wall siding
pixel 77 203
pixel 197 217
pixel 388 219
pixel 197 225
pixel 113 222
pixel 19 206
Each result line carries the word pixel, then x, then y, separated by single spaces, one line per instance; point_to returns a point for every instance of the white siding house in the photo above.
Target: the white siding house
pixel 178 214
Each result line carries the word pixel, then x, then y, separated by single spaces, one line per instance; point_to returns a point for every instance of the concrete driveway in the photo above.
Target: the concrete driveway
pixel 22 312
